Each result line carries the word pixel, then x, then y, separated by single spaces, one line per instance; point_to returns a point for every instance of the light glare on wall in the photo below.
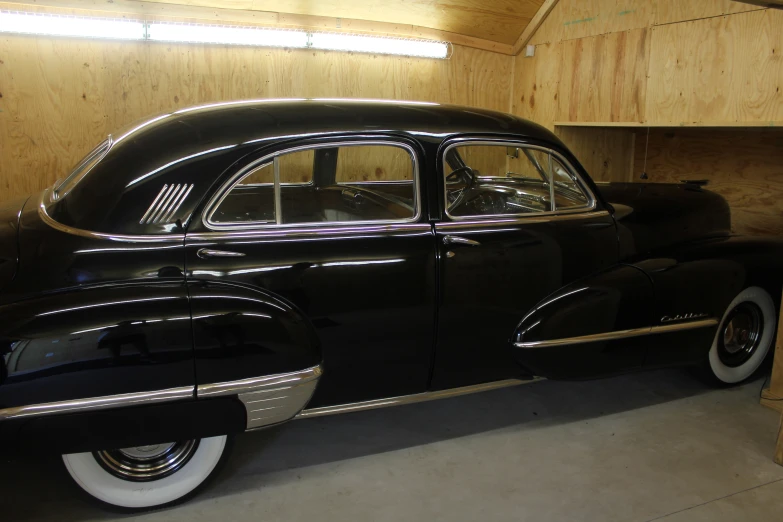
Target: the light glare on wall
pixel 54 25
pixel 57 25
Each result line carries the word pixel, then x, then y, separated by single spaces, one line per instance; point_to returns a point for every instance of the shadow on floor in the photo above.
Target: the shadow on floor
pixel 41 488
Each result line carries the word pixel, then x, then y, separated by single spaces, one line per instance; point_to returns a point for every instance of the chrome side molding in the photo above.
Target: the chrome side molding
pixel 269 400
pixel 411 399
pixel 619 334
pixel 98 403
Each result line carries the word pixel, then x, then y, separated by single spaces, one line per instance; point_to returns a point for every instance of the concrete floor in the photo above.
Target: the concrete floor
pixel 651 446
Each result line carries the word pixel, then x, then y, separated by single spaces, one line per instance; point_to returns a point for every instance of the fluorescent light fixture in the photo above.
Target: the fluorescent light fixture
pixel 56 25
pixel 225 34
pixel 379 45
pixel 119 29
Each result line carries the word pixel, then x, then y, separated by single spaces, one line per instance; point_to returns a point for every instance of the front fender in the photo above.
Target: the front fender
pixel 555 339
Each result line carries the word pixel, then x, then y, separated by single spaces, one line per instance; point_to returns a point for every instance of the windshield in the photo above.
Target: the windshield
pixel 81 170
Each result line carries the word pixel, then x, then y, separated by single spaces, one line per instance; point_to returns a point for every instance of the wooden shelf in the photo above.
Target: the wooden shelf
pixel 698 124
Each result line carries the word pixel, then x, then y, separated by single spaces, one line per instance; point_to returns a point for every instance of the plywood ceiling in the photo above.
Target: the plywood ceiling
pixel 495 20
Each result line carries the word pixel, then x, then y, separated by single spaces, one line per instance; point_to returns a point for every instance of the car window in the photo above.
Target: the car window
pixel 327 184
pixel 493 180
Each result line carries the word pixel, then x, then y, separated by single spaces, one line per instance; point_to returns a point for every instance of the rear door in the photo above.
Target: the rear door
pixel 518 225
pixel 332 231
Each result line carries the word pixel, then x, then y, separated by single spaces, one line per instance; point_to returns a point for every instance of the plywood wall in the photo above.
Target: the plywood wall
pixel 664 63
pixel 745 167
pixel 59 97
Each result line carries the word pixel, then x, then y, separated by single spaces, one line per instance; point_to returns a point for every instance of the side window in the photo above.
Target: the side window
pixel 328 184
pixel 493 180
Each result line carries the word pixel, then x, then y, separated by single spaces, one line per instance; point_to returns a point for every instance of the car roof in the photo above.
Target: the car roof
pixel 245 120
pixel 191 148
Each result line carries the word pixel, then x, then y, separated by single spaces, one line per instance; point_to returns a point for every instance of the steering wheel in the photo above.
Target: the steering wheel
pixel 465 175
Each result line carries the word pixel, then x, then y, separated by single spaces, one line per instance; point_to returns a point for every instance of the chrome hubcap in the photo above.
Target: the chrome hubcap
pixel 147 463
pixel 741 334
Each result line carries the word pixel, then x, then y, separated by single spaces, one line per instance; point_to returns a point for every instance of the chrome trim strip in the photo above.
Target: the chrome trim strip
pixel 46 218
pixel 497 220
pixel 277 192
pixel 153 206
pixel 220 194
pixel 99 403
pixel 271 399
pixel 310 231
pixel 411 399
pixel 458 142
pixel 619 334
pixel 258 383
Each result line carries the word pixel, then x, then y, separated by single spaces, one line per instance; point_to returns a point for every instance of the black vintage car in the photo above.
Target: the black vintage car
pixel 233 266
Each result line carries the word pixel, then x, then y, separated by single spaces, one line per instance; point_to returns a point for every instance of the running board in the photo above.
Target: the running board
pixel 410 399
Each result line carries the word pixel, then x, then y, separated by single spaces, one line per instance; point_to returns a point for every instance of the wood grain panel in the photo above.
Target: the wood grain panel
pixel 606 154
pixel 672 11
pixel 744 166
pixel 719 69
pixel 604 78
pixel 60 97
pixel 500 20
pixel 537 85
pixel 582 18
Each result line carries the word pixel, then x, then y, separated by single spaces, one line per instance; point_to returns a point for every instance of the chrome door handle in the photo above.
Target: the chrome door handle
pixel 206 252
pixel 450 240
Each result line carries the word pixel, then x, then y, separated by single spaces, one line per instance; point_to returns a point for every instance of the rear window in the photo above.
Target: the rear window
pixel 82 168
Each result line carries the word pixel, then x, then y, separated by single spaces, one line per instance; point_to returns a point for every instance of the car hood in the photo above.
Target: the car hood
pixel 9 239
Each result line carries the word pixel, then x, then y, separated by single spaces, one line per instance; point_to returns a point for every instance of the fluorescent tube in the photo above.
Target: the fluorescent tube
pixel 222 34
pixel 379 45
pixel 56 25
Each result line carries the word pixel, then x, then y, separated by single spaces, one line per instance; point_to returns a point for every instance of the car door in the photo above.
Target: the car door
pixel 320 246
pixel 508 238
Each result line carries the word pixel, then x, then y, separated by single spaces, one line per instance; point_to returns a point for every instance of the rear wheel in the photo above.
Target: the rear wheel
pixel 744 337
pixel 146 477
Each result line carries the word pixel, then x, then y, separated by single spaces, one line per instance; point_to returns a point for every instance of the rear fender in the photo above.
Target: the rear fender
pixel 252 344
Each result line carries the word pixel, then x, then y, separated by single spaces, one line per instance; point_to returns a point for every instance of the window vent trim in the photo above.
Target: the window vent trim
pixel 166 204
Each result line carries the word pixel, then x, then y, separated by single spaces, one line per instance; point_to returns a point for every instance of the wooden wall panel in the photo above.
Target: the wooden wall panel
pixel 606 154
pixel 582 18
pixel 60 97
pixel 673 11
pixel 744 166
pixel 724 69
pixel 604 78
pixel 537 85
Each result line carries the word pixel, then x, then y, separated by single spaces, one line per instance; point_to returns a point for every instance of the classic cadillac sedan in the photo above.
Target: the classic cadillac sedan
pixel 233 266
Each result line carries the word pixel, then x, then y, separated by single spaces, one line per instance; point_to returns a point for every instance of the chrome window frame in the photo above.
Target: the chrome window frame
pixel 217 198
pixel 461 142
pixel 99 152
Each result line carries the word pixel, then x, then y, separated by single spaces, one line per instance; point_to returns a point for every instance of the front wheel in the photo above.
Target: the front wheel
pixel 744 337
pixel 147 477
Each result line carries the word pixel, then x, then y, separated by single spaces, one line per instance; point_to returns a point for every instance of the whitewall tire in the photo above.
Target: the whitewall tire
pixel 744 336
pixel 147 476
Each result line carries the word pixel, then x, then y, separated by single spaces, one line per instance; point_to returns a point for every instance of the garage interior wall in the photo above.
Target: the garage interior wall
pixel 60 97
pixel 704 77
